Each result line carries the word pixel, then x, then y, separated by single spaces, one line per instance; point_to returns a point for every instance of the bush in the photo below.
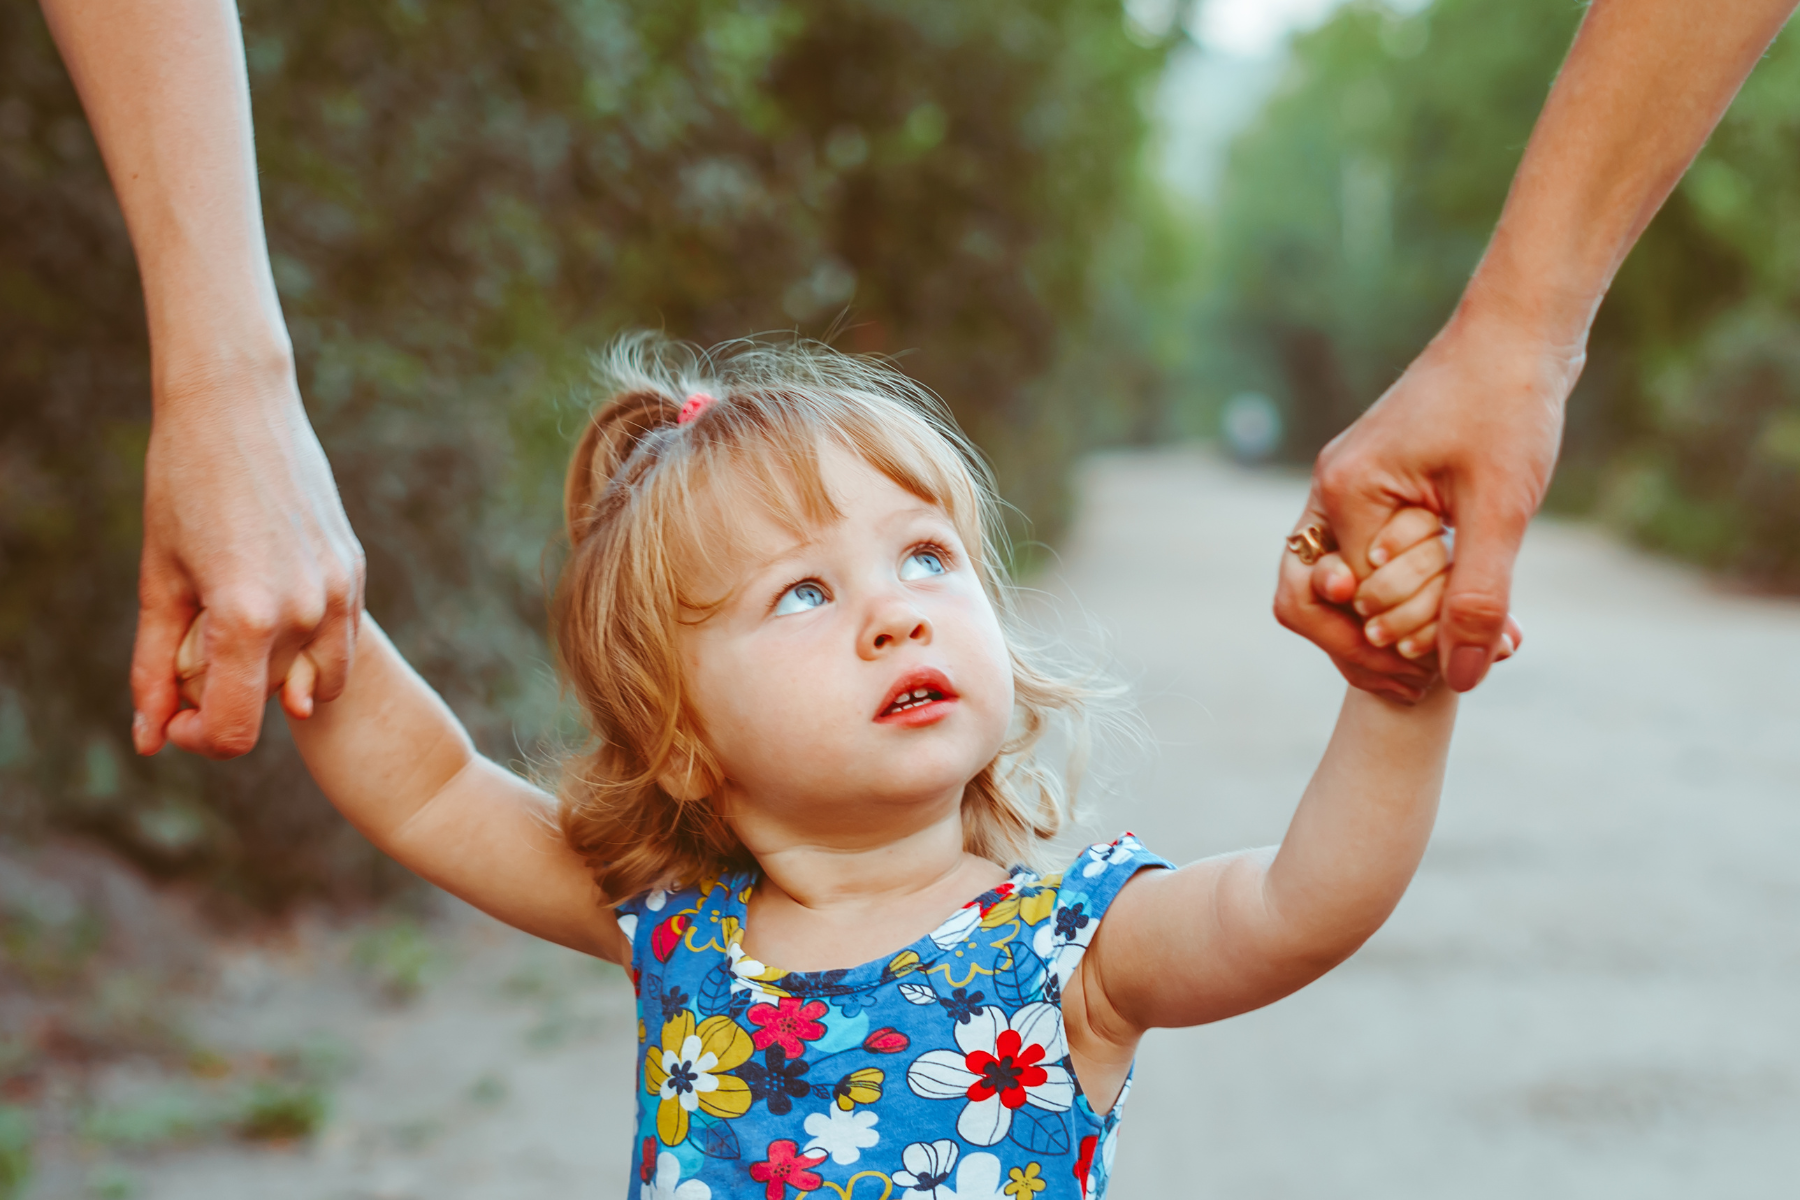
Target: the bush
pixel 461 198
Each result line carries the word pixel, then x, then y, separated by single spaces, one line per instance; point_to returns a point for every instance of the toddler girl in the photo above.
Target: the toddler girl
pixel 811 824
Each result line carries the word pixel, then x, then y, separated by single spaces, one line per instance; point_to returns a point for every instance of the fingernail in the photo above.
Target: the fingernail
pixel 1408 649
pixel 1378 557
pixel 1362 608
pixel 1467 665
pixel 1377 633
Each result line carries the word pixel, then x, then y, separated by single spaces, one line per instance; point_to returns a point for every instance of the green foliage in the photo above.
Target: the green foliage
pixel 15 1150
pixel 1355 208
pixel 461 198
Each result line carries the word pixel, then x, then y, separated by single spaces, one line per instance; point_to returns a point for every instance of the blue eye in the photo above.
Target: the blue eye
pixel 800 598
pixel 922 564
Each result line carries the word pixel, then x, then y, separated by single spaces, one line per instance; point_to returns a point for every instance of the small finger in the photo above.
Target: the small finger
pixel 1404 530
pixel 332 650
pixel 1402 577
pixel 1332 580
pixel 1418 644
pixel 298 689
pixel 1418 611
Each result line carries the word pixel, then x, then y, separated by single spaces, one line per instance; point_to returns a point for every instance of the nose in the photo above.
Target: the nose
pixel 892 622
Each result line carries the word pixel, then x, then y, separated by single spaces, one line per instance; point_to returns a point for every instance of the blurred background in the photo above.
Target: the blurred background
pixel 1087 225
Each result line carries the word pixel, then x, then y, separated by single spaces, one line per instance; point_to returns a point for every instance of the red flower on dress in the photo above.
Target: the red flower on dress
pixel 886 1040
pixel 785 1168
pixel 787 1025
pixel 665 937
pixel 1085 1163
pixel 1009 1070
pixel 648 1167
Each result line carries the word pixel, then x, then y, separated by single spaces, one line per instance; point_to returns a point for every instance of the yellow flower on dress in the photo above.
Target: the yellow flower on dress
pixel 688 1072
pixel 1023 1185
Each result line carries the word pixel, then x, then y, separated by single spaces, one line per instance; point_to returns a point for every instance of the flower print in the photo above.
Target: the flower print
pixel 1119 852
pixel 748 975
pixel 1000 1066
pixel 1026 1183
pixel 665 937
pixel 789 1024
pixel 1070 919
pixel 776 1080
pixel 687 1072
pixel 647 1165
pixel 851 1004
pixel 628 926
pixel 786 1167
pixel 656 899
pixel 1085 1163
pixel 843 1135
pixel 861 1086
pixel 886 1040
pixel 674 1000
pixel 962 1004
pixel 1062 953
pixel 960 925
pixel 1036 903
pixel 928 1166
pixel 977 1178
pixel 668 1185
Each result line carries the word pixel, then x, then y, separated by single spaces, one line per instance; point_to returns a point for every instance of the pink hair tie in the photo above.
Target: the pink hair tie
pixel 693 407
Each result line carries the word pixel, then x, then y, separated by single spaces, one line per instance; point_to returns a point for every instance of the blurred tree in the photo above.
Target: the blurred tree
pixel 1355 207
pixel 461 198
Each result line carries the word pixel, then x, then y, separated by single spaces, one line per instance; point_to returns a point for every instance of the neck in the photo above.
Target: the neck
pixel 855 869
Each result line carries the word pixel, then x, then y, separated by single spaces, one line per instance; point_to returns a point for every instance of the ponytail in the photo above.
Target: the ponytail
pixel 613 435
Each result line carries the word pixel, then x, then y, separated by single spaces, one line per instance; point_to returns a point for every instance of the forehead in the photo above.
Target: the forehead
pixel 753 510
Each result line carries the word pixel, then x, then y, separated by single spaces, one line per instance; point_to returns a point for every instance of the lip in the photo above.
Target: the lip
pixel 927 678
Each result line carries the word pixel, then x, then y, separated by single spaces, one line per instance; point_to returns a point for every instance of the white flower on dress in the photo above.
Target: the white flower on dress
pixel 960 925
pixel 746 973
pixel 978 1178
pixel 1122 851
pixel 628 926
pixel 845 1134
pixel 927 1172
pixel 1062 940
pixel 1001 1066
pixel 668 1186
pixel 656 899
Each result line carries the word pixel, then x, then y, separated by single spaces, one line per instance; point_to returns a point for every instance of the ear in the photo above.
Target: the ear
pixel 690 774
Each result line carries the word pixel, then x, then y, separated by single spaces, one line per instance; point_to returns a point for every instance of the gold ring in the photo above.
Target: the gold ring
pixel 1312 543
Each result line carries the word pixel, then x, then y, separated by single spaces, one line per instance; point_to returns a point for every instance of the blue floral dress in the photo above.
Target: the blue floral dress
pixel 940 1073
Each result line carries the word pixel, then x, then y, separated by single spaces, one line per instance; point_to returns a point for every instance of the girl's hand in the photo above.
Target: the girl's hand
pixel 1400 600
pixel 296 686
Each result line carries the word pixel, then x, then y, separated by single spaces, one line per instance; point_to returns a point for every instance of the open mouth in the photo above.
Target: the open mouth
pixel 917 698
pixel 917 691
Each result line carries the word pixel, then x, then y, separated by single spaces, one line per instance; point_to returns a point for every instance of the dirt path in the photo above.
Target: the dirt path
pixel 1588 992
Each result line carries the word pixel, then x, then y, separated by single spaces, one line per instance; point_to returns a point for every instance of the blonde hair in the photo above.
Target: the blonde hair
pixel 645 495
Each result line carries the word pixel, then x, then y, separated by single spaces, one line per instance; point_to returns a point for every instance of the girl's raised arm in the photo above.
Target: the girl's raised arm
pixel 398 764
pixel 1226 935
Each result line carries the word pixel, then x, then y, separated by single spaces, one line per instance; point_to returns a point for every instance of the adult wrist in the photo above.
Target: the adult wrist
pixel 224 367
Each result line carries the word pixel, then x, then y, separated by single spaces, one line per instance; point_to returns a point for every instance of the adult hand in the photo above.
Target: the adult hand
pixel 241 519
pixel 1470 432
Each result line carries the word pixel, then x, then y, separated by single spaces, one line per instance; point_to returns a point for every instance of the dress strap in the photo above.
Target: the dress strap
pixel 1088 888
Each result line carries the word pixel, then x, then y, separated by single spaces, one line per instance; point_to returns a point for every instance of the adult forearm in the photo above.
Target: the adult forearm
pixel 164 86
pixel 1642 88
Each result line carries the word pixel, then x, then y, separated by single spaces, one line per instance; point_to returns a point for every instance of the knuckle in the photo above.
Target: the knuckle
pixel 246 614
pixel 1474 612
